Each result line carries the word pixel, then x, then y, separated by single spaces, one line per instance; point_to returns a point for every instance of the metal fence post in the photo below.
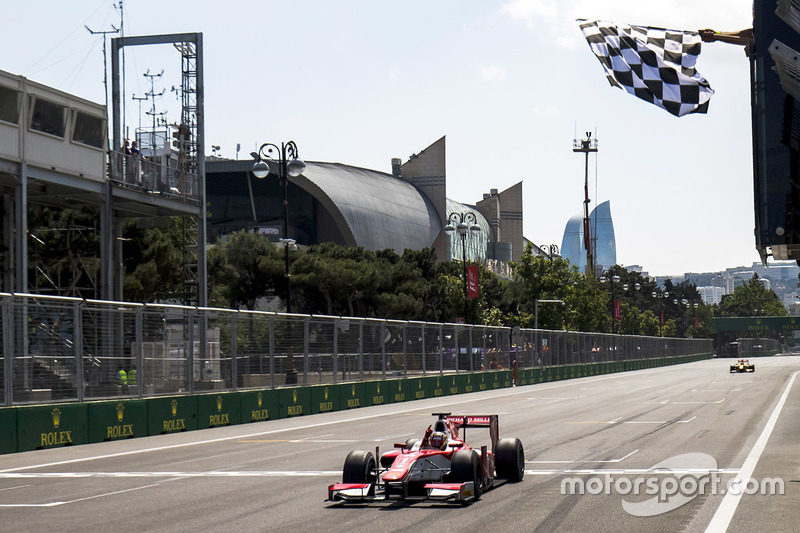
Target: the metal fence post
pixel 234 351
pixel 335 351
pixel 189 361
pixel 271 351
pixel 139 339
pixel 383 350
pixel 361 350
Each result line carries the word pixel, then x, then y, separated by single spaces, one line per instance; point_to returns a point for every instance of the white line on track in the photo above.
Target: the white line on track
pixel 589 460
pixel 13 488
pixel 512 392
pixel 56 504
pixel 222 474
pixel 722 518
pixel 392 437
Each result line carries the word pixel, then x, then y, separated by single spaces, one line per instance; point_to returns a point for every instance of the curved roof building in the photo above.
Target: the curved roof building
pixel 334 202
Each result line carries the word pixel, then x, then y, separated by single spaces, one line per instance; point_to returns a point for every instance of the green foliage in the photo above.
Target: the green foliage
pixel 751 299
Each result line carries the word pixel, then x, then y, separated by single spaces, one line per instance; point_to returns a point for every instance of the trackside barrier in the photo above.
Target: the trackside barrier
pixel 377 392
pixel 50 426
pixel 223 409
pixel 171 414
pixel 34 427
pixel 294 401
pixel 8 430
pixel 123 419
pixel 258 406
pixel 325 398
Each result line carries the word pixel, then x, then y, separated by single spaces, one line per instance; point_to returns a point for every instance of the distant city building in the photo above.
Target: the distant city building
pixel 603 240
pixel 711 295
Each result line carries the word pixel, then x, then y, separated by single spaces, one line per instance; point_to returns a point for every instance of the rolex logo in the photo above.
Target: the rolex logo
pixel 174 407
pixel 219 403
pixel 56 417
pixel 260 399
pixel 120 411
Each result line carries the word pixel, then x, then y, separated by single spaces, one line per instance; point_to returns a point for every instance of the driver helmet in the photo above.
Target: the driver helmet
pixel 438 440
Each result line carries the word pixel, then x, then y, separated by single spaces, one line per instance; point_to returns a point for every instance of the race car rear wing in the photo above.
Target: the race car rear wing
pixel 457 422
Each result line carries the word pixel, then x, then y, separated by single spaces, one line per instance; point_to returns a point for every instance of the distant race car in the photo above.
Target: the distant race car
pixel 440 466
pixel 743 365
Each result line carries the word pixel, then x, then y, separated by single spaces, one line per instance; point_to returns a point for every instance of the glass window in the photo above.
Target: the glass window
pixel 48 117
pixel 88 130
pixel 9 105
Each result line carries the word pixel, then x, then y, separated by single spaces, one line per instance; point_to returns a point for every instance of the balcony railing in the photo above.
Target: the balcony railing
pixel 147 176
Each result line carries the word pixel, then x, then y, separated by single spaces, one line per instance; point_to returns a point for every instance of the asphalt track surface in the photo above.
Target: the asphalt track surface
pixel 605 430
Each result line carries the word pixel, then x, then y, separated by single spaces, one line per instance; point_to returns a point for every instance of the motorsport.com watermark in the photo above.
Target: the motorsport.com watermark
pixel 669 484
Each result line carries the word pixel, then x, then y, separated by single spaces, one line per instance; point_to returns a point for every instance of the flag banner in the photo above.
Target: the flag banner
pixel 473 287
pixel 655 64
pixel 617 310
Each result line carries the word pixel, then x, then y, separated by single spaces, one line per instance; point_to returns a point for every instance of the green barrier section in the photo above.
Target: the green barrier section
pixel 171 414
pixel 399 390
pixel 353 395
pixel 506 378
pixel 50 426
pixel 483 381
pixel 439 386
pixel 469 382
pixel 8 433
pixel 453 384
pixel 376 393
pixel 325 398
pixel 294 401
pixel 524 376
pixel 123 419
pixel 419 388
pixel 221 409
pixel 258 406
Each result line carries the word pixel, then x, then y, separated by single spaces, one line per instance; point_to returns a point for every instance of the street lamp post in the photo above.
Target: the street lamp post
pixel 614 279
pixel 463 223
pixel 660 295
pixel 636 286
pixel 289 166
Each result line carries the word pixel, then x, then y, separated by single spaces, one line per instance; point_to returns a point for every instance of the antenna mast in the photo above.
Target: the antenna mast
pixel 586 146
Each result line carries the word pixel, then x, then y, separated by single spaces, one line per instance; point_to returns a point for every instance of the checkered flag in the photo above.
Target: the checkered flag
pixel 655 64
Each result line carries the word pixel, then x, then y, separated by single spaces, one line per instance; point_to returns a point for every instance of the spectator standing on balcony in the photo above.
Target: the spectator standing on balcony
pixel 135 152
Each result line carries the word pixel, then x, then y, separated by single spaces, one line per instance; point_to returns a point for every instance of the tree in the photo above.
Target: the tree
pixel 751 299
pixel 243 269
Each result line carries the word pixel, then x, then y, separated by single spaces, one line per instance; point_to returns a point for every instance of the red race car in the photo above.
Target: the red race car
pixel 440 466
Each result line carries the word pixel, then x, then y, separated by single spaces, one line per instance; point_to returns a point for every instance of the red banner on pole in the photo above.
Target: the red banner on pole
pixel 662 318
pixel 473 286
pixel 617 310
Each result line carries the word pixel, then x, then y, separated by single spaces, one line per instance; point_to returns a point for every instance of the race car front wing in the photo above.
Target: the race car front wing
pixel 365 492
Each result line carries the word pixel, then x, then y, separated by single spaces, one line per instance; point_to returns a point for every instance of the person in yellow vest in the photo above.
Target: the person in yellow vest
pixel 132 377
pixel 122 377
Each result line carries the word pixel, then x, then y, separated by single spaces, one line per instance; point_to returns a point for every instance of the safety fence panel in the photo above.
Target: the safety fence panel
pixel 66 350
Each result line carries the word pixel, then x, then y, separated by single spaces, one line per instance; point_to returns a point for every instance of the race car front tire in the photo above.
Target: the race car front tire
pixel 509 459
pixel 359 467
pixel 466 466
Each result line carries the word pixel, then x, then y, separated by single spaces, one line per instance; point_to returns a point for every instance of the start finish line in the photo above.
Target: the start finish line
pixel 756 323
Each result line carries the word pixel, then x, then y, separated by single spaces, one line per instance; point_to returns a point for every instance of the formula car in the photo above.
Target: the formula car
pixel 743 365
pixel 440 466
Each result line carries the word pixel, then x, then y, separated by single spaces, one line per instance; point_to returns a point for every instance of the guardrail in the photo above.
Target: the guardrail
pixel 62 350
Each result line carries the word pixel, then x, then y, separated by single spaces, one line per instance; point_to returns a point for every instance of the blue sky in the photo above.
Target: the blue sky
pixel 509 83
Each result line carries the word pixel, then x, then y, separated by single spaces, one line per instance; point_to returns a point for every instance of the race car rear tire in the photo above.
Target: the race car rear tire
pixel 509 459
pixel 466 466
pixel 359 467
